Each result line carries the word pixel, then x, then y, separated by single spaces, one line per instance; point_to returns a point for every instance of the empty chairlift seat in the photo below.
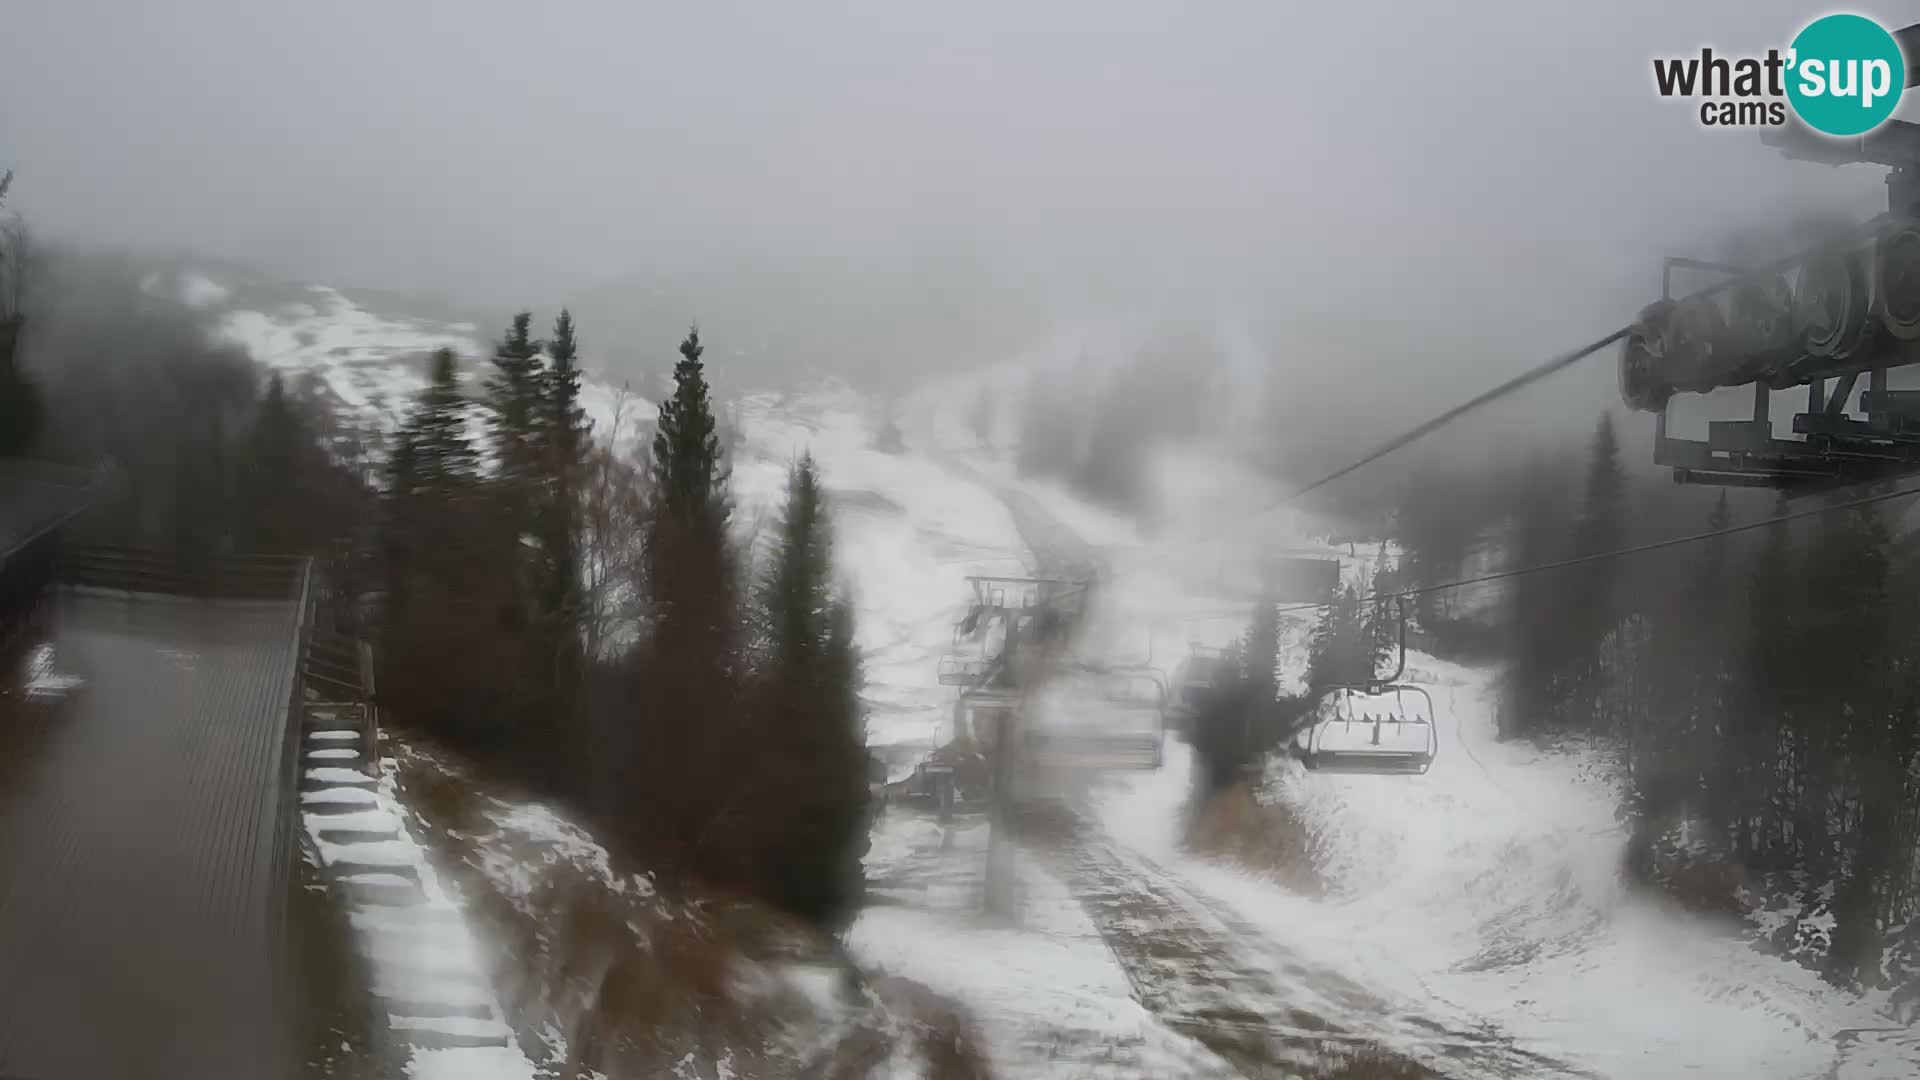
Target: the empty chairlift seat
pixel 1112 721
pixel 1390 731
pixel 1194 679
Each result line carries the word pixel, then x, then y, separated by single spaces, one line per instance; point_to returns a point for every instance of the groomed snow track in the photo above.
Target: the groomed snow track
pixel 1206 973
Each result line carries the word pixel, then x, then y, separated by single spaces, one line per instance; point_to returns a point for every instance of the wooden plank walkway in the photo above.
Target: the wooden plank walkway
pixel 139 900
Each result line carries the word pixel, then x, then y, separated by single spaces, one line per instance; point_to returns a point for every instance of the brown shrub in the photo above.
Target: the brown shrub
pixel 637 979
pixel 1265 837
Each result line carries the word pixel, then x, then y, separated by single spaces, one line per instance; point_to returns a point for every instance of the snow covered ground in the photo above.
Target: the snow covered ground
pixel 1484 895
pixel 907 536
pixel 368 364
pixel 1046 991
pixel 1487 892
pixel 1480 896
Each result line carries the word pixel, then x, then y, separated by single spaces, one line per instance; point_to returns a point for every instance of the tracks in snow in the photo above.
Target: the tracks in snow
pixel 1204 972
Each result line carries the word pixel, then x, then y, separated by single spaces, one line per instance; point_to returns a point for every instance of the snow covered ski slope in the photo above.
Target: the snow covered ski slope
pixel 1483 897
pixel 1470 921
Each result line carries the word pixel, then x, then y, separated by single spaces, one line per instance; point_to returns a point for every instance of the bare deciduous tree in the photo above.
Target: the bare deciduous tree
pixel 613 511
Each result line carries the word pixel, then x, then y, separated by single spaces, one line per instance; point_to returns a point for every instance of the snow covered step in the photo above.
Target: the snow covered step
pixel 334 753
pixel 383 890
pixel 375 873
pixel 333 735
pixel 500 1062
pixel 384 849
pixel 424 951
pixel 473 992
pixel 435 1009
pixel 450 1030
pixel 436 965
pixel 436 1039
pixel 325 775
pixel 327 835
pixel 424 921
pixel 357 820
pixel 353 798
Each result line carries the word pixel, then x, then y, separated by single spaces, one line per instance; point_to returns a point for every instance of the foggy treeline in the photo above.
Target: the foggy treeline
pixel 1760 688
pixel 1094 431
pixel 581 624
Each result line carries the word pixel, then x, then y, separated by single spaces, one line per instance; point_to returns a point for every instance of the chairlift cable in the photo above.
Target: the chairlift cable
pixel 1420 431
pixel 1565 360
pixel 1637 549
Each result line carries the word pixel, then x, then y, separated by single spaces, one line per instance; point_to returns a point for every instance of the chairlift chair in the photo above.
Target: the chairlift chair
pixel 963 670
pixel 1128 728
pixel 1383 727
pixel 1378 731
pixel 1201 672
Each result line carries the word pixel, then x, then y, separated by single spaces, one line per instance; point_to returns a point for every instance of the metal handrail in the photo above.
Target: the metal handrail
pixel 370 715
pixel 286 815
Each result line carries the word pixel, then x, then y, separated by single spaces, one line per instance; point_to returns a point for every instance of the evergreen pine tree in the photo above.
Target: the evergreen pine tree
pixel 515 392
pixel 445 462
pixel 1537 609
pixel 809 728
pixel 1260 650
pixel 22 408
pixel 563 438
pixel 277 444
pixel 1763 702
pixel 1714 605
pixel 1383 616
pixel 699 823
pixel 689 478
pixel 1339 654
pixel 1437 528
pixel 1845 700
pixel 398 528
pixel 1596 604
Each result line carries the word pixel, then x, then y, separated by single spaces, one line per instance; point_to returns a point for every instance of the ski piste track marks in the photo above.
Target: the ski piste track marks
pixel 1174 946
pixel 1204 972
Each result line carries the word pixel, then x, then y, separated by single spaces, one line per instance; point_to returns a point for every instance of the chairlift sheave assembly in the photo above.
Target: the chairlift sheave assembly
pixel 1822 320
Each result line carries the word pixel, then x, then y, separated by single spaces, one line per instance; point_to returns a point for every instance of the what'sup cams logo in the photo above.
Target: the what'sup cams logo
pixel 1842 75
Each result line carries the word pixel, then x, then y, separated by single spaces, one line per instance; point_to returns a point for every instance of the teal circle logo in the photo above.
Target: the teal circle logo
pixel 1845 75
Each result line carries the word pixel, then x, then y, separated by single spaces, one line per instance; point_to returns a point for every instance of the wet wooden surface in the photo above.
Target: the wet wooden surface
pixel 137 838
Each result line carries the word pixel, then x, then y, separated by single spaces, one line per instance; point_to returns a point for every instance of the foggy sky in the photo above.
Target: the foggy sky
pixel 1376 177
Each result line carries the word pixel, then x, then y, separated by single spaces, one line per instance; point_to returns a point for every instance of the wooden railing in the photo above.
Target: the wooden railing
pixel 371 717
pixel 225 577
pixel 286 823
pixel 338 669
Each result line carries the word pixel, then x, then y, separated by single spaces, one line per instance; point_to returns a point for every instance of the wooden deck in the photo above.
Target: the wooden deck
pixel 142 866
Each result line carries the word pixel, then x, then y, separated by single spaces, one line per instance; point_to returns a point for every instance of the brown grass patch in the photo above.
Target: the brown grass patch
pixel 642 982
pixel 1268 838
pixel 1373 1065
pixel 946 1033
